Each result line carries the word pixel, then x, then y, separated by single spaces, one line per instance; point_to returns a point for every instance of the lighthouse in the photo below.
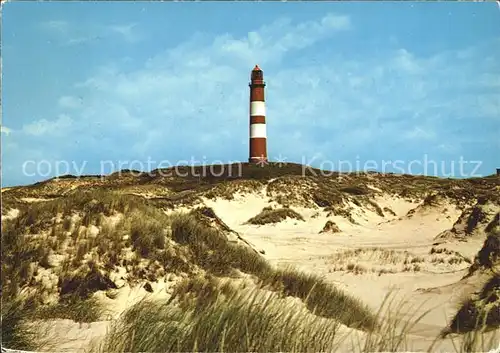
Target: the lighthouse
pixel 258 143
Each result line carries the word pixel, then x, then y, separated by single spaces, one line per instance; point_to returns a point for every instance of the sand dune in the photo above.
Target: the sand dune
pixel 420 247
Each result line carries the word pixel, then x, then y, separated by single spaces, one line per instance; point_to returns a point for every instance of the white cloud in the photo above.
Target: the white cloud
pixel 81 40
pixel 70 102
pixel 69 34
pixel 48 127
pixel 56 25
pixel 447 148
pixel 267 45
pixel 193 99
pixel 419 133
pixel 5 130
pixel 406 61
pixel 127 32
pixel 198 90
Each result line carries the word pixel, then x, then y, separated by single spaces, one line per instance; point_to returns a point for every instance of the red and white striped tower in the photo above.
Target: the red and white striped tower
pixel 258 142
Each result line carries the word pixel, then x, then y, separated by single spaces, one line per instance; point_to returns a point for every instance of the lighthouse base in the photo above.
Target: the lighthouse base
pixel 257 160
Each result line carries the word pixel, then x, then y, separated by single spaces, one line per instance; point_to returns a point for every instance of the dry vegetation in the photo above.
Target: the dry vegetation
pixel 330 227
pixel 269 215
pixel 214 254
pixel 219 317
pixel 212 315
pixel 387 261
pixel 52 257
pixel 291 184
pixel 17 331
pixel 482 310
pixel 57 253
pixel 481 217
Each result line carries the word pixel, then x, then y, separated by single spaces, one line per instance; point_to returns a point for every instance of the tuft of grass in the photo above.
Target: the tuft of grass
pixel 355 190
pixel 213 252
pixel 85 282
pixel 19 332
pixel 211 315
pixel 476 216
pixel 477 341
pixel 488 255
pixel 377 208
pixel 18 252
pixel 73 308
pixel 494 224
pixel 201 291
pixel 330 227
pixel 322 298
pixel 342 212
pixel 147 234
pixel 15 334
pixel 390 211
pixel 243 321
pixel 357 269
pixel 268 216
pixel 481 312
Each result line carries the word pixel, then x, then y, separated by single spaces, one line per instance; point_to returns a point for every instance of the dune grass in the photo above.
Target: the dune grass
pixel 73 308
pixel 16 333
pixel 19 330
pixel 268 215
pixel 214 254
pixel 321 298
pixel 387 261
pixel 42 229
pixel 148 229
pixel 208 314
pixel 477 341
pixel 287 311
pixel 488 255
pixel 481 311
pixel 233 320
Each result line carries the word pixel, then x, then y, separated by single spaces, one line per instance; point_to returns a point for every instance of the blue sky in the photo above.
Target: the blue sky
pixel 364 81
